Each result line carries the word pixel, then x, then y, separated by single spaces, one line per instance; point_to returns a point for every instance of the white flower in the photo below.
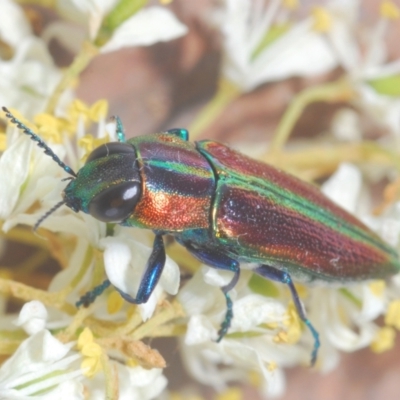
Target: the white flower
pixel 13 25
pixel 297 51
pixel 134 383
pixel 125 260
pixel 257 318
pixel 365 60
pixel 42 364
pixel 145 27
pixel 32 317
pixel 28 79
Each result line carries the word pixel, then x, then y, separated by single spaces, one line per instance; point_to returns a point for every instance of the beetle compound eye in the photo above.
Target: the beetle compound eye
pixel 115 203
pixel 109 149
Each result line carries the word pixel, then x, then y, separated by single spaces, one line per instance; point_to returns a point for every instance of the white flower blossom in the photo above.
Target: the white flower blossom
pixel 32 317
pixel 255 351
pixel 297 51
pixel 146 27
pixel 365 60
pixel 42 364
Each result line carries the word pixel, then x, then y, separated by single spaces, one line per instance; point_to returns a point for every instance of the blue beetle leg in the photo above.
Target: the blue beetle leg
pixel 179 132
pixel 151 276
pixel 89 297
pixel 119 129
pixel 281 276
pixel 219 260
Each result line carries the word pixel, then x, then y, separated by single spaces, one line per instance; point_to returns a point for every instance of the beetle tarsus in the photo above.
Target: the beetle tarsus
pixel 119 129
pixel 226 324
pixel 89 297
pixel 219 260
pixel 274 274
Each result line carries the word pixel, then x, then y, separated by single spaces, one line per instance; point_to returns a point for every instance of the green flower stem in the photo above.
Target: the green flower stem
pixel 226 94
pixel 81 61
pixel 339 90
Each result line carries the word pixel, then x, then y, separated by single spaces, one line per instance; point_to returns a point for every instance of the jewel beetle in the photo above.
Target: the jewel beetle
pixel 226 209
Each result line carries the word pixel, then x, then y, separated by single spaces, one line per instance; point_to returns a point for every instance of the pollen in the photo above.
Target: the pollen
pixel 3 141
pixel 322 19
pixel 49 127
pixel 91 352
pixel 384 340
pixel 392 317
pixel 233 393
pixel 389 10
pixel 293 333
pixel 377 288
pixel 290 4
pixel 98 110
pixel 114 302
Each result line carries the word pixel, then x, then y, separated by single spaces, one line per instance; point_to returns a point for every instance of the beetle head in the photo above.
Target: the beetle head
pixel 108 186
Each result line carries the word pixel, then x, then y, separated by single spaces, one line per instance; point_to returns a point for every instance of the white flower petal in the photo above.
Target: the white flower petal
pixel 125 260
pixel 32 317
pixel 199 330
pixel 15 160
pixel 252 310
pixel 34 358
pixel 13 24
pixel 344 187
pixel 146 27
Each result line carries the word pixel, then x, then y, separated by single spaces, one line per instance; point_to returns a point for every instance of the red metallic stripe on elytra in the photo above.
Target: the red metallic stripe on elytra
pixel 171 212
pixel 226 159
pixel 266 230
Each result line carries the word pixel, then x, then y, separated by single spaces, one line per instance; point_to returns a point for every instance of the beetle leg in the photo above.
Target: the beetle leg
pixel 220 260
pixel 119 130
pixel 179 132
pixel 281 276
pixel 150 278
pixel 152 273
pixel 89 297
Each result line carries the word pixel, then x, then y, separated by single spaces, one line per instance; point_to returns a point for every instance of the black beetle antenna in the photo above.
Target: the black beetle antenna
pixel 39 142
pixel 44 216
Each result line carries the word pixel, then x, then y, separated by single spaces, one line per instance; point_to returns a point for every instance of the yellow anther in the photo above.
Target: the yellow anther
pixel 130 362
pixel 3 141
pixel 85 337
pixel 291 4
pixel 91 352
pixel 384 340
pixel 49 127
pixel 255 379
pixel 389 10
pixel 98 110
pixel 322 19
pixel 88 143
pixel 272 366
pixel 114 302
pixel 392 316
pixel 293 333
pixel 377 288
pixel 233 393
pixel 165 2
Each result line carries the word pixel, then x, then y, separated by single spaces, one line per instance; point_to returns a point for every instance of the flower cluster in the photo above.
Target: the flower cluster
pixel 51 348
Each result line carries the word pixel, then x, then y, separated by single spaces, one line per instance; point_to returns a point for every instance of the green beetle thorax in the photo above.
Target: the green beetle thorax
pixel 98 177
